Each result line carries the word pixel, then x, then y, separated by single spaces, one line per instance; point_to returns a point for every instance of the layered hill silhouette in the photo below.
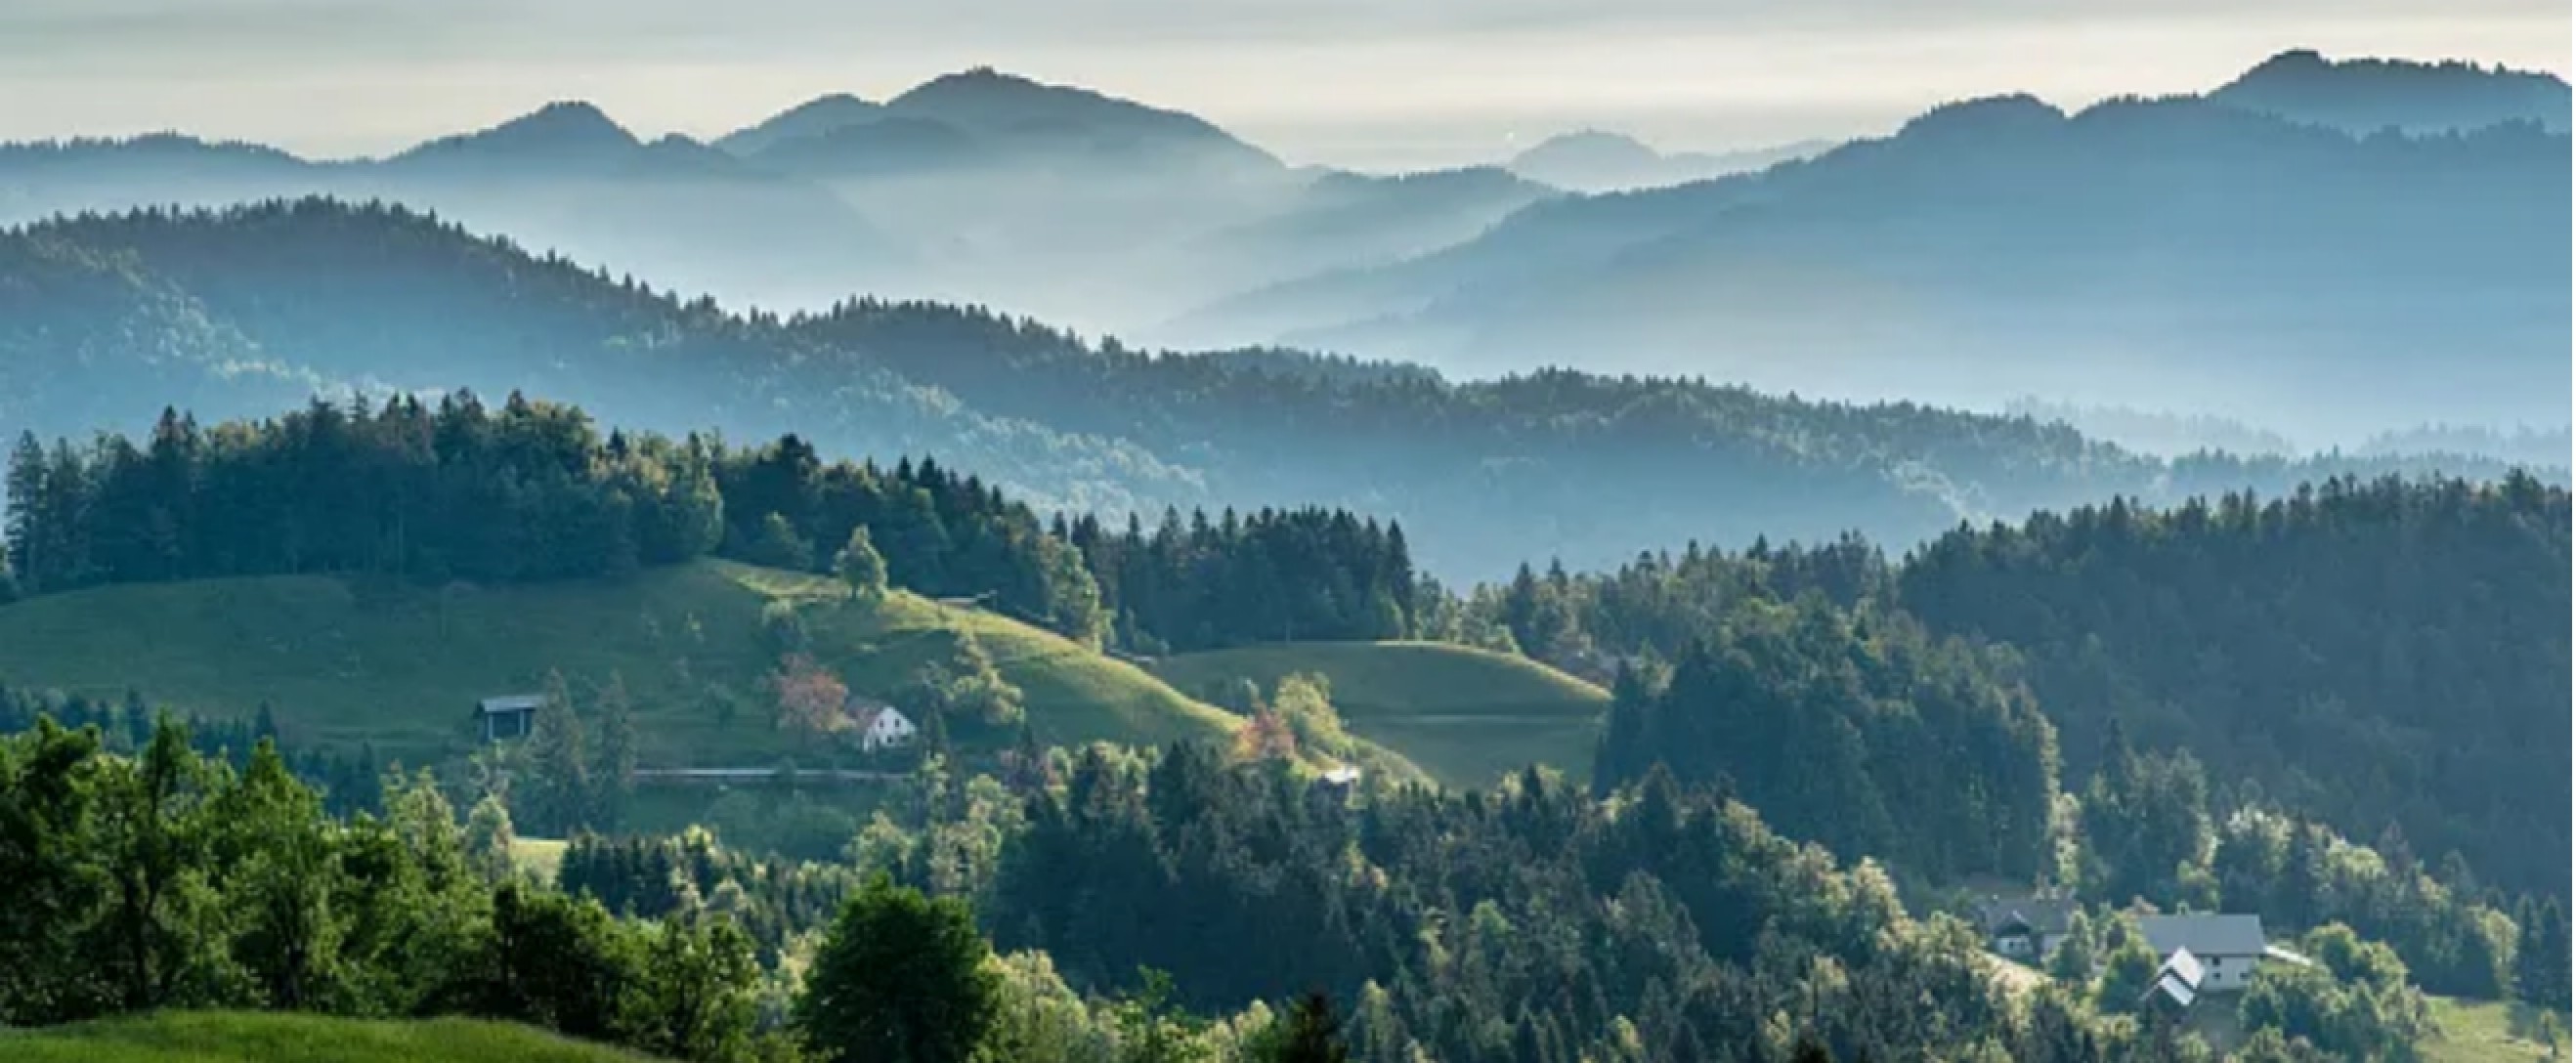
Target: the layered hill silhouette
pixel 980 186
pixel 104 320
pixel 564 177
pixel 2330 248
pixel 2186 253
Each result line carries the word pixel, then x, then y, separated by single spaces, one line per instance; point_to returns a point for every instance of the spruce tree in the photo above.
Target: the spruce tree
pixel 560 795
pixel 612 772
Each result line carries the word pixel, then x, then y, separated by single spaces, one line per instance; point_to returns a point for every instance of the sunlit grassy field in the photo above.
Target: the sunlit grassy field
pixel 240 1037
pixel 343 662
pixel 1465 715
pixel 2486 1031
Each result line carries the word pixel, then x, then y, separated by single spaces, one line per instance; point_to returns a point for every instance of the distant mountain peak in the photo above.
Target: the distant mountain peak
pixel 562 129
pixel 815 117
pixel 1593 145
pixel 2367 94
pixel 1987 114
pixel 568 120
pixel 2293 61
pixel 986 84
pixel 1593 159
pixel 1001 106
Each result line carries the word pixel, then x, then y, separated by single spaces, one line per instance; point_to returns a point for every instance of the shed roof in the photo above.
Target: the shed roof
pixel 500 703
pixel 2204 935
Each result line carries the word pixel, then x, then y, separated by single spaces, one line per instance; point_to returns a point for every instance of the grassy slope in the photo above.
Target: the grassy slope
pixel 2484 1031
pixel 345 662
pixel 237 1037
pixel 1465 714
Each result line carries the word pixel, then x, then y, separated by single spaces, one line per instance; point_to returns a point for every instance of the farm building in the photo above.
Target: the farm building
pixel 2226 947
pixel 880 726
pixel 2025 928
pixel 507 716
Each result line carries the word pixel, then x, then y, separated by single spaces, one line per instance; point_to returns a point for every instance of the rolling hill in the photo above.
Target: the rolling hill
pixel 268 1037
pixel 344 663
pixel 1466 715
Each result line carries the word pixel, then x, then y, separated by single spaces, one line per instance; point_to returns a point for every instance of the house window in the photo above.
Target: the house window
pixel 2216 962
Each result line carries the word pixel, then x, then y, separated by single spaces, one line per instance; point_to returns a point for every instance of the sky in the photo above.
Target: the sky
pixel 1374 84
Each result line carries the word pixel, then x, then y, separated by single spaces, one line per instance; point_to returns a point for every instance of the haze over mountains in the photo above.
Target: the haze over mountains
pixel 1595 160
pixel 105 320
pixel 2259 253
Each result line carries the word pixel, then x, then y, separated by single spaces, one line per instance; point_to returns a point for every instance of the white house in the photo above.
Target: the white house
pixel 2225 948
pixel 881 726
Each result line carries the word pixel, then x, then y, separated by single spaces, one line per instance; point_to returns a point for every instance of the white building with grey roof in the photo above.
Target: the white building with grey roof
pixel 2225 948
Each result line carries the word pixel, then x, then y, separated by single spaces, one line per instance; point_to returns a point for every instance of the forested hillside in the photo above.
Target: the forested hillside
pixel 1857 731
pixel 2379 654
pixel 245 312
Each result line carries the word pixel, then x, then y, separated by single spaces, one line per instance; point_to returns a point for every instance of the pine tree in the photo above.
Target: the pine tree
pixel 24 530
pixel 560 795
pixel 612 773
pixel 2541 960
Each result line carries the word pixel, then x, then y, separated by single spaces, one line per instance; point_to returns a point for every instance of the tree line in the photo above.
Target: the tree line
pixel 1268 576
pixel 455 490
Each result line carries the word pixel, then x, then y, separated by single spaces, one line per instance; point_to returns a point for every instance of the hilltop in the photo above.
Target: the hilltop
pixel 344 662
pixel 1466 715
pixel 2367 95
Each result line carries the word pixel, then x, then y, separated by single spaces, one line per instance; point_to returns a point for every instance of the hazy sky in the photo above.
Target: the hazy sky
pixel 1377 83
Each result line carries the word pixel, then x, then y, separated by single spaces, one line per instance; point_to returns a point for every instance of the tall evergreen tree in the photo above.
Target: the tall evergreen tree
pixel 561 797
pixel 612 775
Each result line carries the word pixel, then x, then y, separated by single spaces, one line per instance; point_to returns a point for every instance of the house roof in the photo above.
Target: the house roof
pixel 2184 965
pixel 2046 916
pixel 2204 935
pixel 2178 980
pixel 1342 775
pixel 500 703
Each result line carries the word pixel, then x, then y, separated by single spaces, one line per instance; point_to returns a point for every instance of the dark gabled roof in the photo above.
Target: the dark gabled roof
pixel 2204 935
pixel 2045 916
